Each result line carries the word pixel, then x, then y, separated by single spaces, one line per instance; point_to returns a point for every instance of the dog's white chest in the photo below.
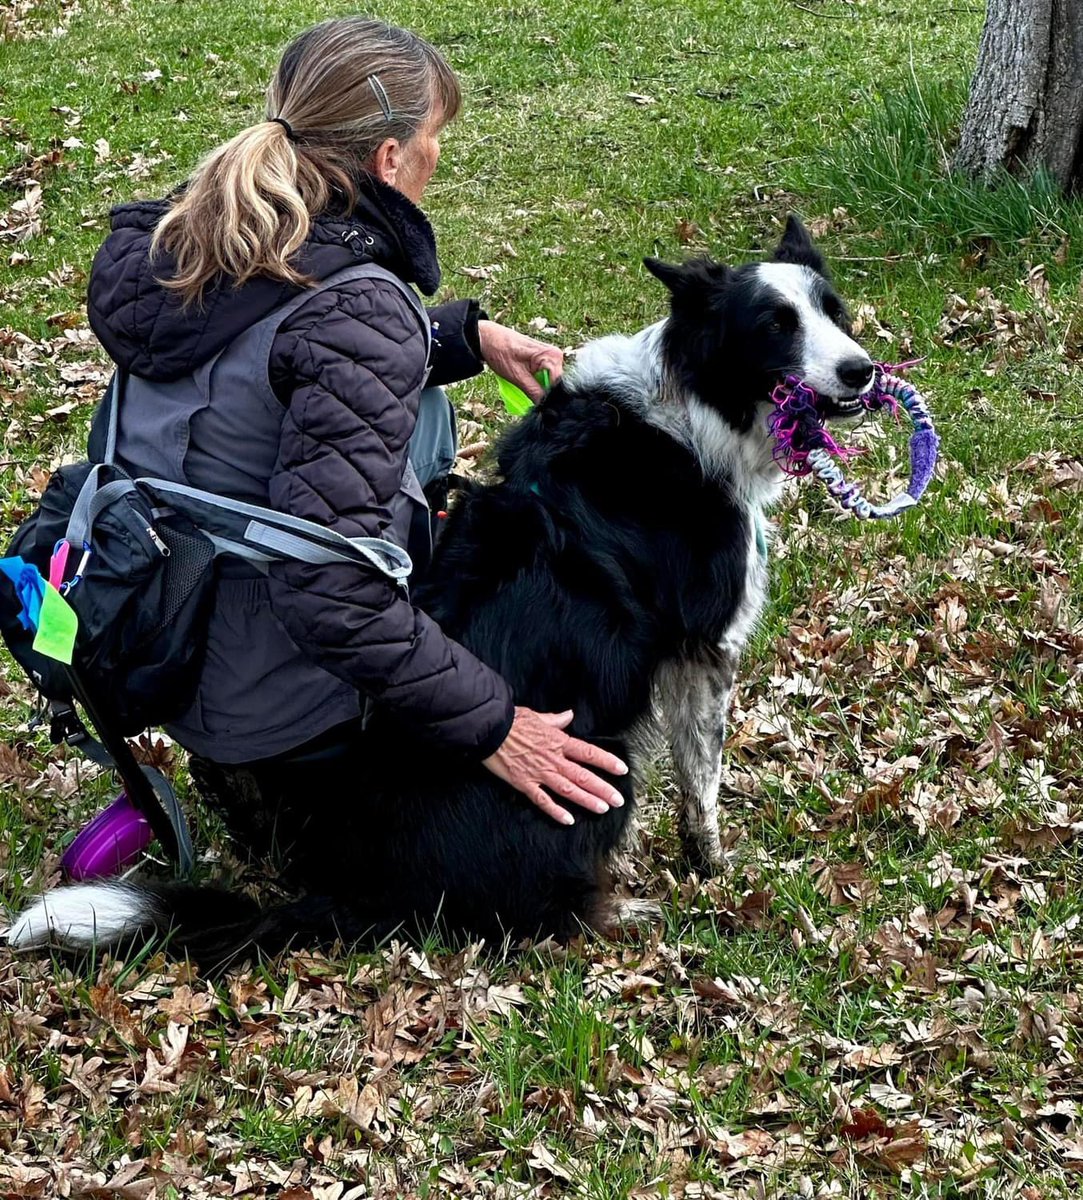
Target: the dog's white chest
pixel 748 610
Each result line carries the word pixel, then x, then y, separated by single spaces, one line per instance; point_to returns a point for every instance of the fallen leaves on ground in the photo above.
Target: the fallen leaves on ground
pixel 883 983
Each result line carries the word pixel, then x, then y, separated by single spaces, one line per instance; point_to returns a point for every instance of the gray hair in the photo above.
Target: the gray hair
pixel 341 89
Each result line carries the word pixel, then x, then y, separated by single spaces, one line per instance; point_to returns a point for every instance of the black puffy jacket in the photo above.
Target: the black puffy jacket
pixel 348 366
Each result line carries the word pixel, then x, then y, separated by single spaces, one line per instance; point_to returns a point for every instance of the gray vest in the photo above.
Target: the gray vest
pixel 218 430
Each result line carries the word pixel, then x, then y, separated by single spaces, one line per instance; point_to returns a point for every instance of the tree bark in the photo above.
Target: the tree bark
pixel 1026 98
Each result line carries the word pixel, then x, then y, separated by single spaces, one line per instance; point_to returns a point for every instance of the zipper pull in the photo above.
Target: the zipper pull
pixel 152 533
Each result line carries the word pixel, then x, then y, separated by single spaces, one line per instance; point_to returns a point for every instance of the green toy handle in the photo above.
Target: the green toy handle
pixel 516 401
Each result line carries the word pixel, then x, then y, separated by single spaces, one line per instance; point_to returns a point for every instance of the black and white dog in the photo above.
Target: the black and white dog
pixel 619 561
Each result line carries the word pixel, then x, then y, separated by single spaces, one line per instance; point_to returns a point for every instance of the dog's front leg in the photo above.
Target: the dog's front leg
pixel 695 698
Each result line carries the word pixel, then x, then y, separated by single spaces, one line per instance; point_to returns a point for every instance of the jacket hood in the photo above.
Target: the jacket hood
pixel 144 327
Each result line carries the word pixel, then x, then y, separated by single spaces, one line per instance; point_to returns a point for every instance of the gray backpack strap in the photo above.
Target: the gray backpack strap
pixel 263 535
pixel 93 499
pixel 260 535
pixel 92 496
pixel 112 401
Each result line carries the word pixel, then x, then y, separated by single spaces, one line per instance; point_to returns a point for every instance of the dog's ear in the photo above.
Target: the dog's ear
pixel 671 274
pixel 796 247
pixel 688 280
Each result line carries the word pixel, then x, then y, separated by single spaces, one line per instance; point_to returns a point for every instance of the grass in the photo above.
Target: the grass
pixel 898 163
pixel 881 997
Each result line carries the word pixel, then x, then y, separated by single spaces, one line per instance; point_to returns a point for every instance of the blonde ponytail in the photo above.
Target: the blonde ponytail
pixel 341 89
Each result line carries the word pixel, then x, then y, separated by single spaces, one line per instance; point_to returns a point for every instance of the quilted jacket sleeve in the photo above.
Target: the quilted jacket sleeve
pixel 355 361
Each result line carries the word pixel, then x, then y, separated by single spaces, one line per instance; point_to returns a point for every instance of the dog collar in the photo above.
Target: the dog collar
pixel 761 533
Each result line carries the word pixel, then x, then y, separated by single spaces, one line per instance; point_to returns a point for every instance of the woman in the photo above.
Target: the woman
pixel 252 377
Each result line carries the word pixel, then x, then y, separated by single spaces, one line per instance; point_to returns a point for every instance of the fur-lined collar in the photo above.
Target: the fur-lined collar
pixel 145 329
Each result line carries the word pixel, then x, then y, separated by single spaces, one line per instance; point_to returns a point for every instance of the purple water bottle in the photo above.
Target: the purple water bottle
pixel 110 843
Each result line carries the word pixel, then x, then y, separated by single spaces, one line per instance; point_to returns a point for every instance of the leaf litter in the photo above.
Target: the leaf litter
pixel 914 842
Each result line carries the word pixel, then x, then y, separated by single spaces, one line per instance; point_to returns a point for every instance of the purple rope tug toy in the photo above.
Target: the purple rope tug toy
pixel 803 445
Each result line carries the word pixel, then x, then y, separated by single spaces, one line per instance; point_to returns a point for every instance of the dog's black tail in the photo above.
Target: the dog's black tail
pixel 210 925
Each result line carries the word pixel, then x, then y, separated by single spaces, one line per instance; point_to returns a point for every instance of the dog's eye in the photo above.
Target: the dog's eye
pixel 783 320
pixel 834 311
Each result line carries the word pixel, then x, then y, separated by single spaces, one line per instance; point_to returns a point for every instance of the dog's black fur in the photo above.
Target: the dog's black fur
pixel 603 552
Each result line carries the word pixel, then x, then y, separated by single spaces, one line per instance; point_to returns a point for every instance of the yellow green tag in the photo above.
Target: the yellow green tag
pixel 516 401
pixel 57 627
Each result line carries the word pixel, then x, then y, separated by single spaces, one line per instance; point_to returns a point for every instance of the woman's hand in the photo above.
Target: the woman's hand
pixel 538 752
pixel 519 358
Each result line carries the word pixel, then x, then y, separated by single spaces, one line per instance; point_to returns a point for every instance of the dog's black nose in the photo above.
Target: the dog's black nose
pixel 854 372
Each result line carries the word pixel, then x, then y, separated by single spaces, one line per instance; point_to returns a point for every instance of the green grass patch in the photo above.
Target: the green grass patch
pixel 897 163
pixel 898 934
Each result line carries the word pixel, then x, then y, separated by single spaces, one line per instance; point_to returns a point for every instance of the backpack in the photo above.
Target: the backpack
pixel 142 589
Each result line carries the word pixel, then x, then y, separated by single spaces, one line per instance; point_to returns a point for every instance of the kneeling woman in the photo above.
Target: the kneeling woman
pixel 253 376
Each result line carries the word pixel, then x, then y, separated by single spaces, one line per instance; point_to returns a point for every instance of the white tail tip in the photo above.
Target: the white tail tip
pixel 83 915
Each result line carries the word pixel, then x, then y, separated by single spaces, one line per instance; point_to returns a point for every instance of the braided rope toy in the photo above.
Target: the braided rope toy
pixel 803 445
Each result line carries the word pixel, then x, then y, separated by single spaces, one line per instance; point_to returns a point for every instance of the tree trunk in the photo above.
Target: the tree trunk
pixel 1026 99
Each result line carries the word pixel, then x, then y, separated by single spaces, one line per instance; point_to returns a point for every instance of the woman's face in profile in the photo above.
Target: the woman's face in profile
pixel 409 166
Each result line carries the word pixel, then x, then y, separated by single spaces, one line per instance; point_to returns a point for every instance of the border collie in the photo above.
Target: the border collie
pixel 619 560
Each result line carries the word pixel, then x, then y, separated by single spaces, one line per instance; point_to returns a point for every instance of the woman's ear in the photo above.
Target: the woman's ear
pixel 387 161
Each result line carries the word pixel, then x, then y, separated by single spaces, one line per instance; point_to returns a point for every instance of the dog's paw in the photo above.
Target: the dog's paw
pixel 704 854
pixel 631 910
pixel 624 914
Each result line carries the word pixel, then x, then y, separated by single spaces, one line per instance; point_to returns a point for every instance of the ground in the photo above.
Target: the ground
pixel 881 996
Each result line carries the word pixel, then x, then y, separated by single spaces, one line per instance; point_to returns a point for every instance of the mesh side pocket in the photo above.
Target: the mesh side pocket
pixel 191 556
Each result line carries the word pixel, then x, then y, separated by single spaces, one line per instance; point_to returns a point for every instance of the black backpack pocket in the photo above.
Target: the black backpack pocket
pixel 141 584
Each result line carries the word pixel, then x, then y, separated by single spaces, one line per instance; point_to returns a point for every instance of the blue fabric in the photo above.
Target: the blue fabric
pixel 29 587
pixel 433 443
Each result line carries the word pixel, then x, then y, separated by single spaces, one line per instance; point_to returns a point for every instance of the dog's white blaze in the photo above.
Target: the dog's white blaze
pixel 81 916
pixel 825 344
